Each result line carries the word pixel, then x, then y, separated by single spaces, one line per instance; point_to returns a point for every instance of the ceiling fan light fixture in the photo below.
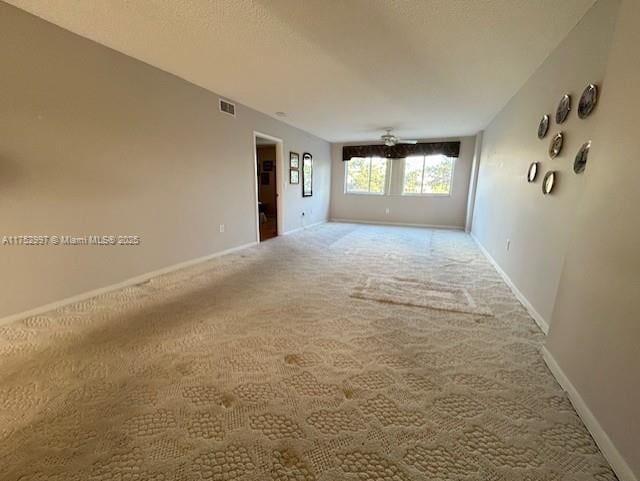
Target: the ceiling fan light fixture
pixel 389 139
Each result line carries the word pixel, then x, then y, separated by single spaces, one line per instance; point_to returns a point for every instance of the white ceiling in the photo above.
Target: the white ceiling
pixel 341 69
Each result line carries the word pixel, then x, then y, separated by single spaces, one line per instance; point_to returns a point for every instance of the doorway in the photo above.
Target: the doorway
pixel 268 154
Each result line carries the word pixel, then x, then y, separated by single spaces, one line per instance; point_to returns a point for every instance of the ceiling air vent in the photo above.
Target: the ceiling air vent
pixel 227 107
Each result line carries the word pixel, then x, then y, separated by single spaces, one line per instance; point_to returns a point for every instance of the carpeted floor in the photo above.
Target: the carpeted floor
pixel 265 364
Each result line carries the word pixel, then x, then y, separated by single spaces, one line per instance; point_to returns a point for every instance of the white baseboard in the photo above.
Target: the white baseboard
pixel 134 280
pixel 540 321
pixel 617 462
pixel 400 224
pixel 113 287
pixel 298 229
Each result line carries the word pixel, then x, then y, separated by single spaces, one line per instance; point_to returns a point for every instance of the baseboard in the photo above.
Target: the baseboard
pixel 617 462
pixel 537 317
pixel 400 224
pixel 134 280
pixel 298 229
pixel 113 287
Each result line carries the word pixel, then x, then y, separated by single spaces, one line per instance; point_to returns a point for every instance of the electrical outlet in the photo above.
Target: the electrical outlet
pixel 221 227
pixel 387 210
pixel 508 244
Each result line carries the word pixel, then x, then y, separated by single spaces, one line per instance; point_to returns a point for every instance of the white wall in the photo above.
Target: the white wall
pixel 446 211
pixel 595 334
pixel 575 254
pixel 473 182
pixel 94 142
pixel 506 206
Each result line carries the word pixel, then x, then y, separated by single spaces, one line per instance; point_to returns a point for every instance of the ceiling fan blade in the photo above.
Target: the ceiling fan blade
pixel 406 141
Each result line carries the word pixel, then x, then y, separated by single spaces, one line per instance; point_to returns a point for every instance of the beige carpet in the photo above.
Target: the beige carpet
pixel 261 366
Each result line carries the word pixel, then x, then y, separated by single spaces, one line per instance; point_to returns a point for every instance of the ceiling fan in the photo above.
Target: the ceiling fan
pixel 390 140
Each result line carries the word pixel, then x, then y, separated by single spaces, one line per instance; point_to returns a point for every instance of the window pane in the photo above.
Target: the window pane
pixel 378 174
pixel 412 175
pixel 438 171
pixel 358 175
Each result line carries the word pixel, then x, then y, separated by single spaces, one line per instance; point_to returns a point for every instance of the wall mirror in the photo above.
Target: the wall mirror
pixel 543 126
pixel 564 107
pixel 555 147
pixel 588 101
pixel 307 175
pixel 532 172
pixel 580 162
pixel 549 182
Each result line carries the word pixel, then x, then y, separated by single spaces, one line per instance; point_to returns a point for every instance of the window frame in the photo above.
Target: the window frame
pixel 387 176
pixel 428 194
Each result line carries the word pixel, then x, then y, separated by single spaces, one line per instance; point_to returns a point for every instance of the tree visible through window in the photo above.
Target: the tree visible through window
pixel 366 175
pixel 427 174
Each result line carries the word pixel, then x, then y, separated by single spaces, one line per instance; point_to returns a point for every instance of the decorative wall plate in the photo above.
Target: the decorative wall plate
pixel 548 182
pixel 532 173
pixel 543 126
pixel 580 163
pixel 588 101
pixel 564 107
pixel 556 145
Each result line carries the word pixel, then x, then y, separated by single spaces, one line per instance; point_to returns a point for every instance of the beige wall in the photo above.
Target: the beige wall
pixel 507 207
pixel 575 254
pixel 473 182
pixel 446 211
pixel 94 142
pixel 595 335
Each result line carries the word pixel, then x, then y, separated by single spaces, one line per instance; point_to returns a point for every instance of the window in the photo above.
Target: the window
pixel 427 174
pixel 366 175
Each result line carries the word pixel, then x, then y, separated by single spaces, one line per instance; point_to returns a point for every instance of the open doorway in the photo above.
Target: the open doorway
pixel 268 152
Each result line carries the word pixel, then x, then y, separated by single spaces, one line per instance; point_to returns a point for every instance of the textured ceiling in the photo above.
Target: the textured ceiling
pixel 342 70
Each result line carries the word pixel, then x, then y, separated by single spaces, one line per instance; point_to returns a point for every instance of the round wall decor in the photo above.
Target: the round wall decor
pixel 532 173
pixel 588 101
pixel 580 163
pixel 556 145
pixel 564 107
pixel 543 126
pixel 548 182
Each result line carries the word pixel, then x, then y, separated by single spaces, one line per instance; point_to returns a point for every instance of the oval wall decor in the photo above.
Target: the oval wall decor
pixel 555 147
pixel 564 107
pixel 532 173
pixel 543 126
pixel 580 162
pixel 548 182
pixel 588 101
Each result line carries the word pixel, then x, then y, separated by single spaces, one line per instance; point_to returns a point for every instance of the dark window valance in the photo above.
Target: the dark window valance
pixel 400 151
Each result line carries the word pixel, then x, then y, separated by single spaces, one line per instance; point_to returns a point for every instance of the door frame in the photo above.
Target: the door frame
pixel 280 180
